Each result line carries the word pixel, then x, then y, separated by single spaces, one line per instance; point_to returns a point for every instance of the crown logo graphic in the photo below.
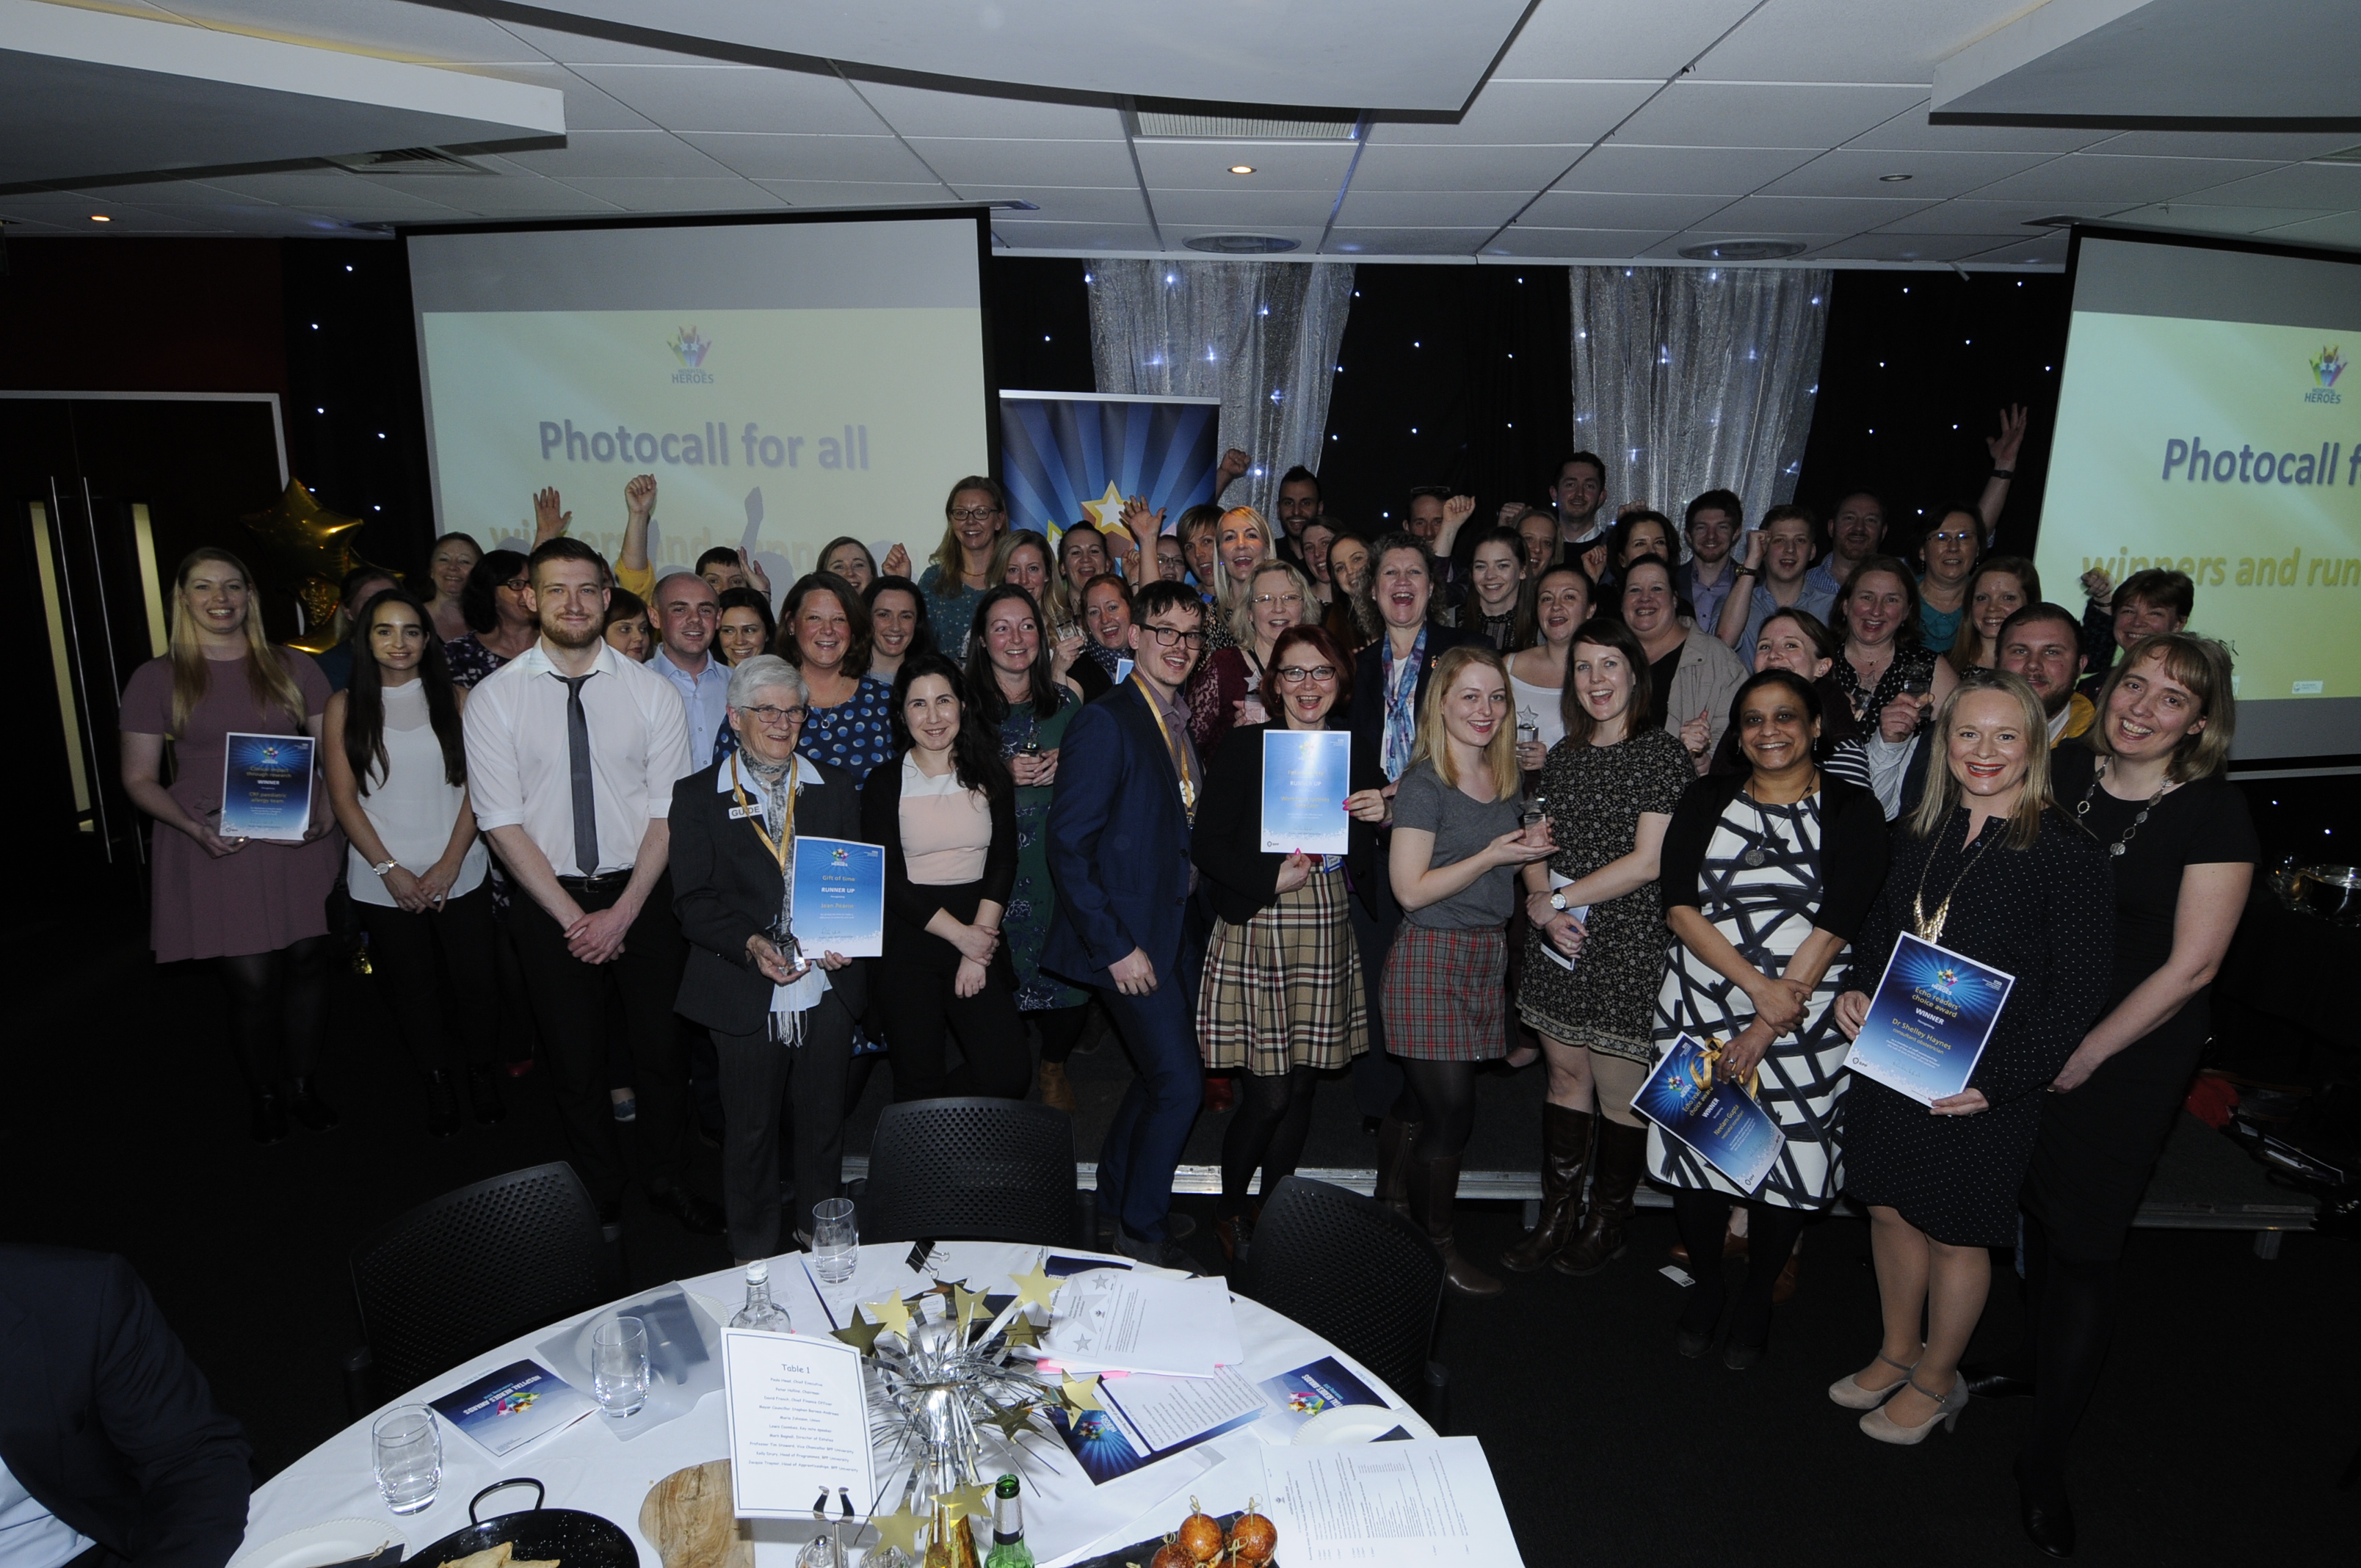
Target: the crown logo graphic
pixel 2327 365
pixel 689 348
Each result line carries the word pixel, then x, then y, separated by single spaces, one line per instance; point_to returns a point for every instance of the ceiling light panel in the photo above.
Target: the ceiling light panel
pixel 1280 166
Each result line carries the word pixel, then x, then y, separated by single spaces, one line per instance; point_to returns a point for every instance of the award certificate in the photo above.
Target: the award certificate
pixel 1304 781
pixel 266 786
pixel 1721 1123
pixel 1929 1021
pixel 839 902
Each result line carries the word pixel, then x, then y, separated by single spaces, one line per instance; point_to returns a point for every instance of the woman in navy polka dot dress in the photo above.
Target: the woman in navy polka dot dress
pixel 824 633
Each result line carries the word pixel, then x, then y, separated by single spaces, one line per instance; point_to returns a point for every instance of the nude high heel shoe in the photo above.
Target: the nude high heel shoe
pixel 1886 1429
pixel 1847 1390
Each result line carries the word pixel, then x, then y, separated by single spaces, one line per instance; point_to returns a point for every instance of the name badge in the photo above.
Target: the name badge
pixel 737 812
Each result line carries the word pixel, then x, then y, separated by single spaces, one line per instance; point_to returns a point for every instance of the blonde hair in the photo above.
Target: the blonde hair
pixel 948 559
pixel 1242 619
pixel 1434 745
pixel 1233 597
pixel 1944 792
pixel 267 675
pixel 2202 666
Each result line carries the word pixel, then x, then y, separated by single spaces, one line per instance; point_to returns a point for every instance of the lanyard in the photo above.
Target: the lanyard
pixel 786 840
pixel 1179 758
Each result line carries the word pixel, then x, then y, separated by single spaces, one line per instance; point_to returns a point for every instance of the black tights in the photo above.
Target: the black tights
pixel 278 1010
pixel 1771 1233
pixel 1062 1029
pixel 2069 1316
pixel 1440 1097
pixel 1273 1118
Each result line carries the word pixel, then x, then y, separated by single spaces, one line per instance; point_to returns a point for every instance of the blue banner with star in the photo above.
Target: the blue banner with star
pixel 1069 458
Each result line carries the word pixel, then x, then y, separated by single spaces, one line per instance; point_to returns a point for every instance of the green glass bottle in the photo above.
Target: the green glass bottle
pixel 1008 1548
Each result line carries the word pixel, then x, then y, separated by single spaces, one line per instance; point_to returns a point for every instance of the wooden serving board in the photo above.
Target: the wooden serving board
pixel 691 1518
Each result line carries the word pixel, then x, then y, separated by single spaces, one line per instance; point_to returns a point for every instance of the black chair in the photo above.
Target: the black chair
pixel 974 1169
pixel 1358 1275
pixel 472 1269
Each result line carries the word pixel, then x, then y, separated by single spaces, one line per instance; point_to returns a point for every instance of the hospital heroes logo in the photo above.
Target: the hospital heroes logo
pixel 691 349
pixel 2326 366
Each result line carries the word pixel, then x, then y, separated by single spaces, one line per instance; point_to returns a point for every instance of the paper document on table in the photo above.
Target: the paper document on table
pixel 1169 1411
pixel 798 1421
pixel 1144 1322
pixel 1427 1500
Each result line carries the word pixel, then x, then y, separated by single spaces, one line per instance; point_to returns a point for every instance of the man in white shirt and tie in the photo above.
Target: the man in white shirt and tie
pixel 572 753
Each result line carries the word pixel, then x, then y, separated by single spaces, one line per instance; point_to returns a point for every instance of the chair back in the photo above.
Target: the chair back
pixel 1353 1271
pixel 477 1267
pixel 971 1169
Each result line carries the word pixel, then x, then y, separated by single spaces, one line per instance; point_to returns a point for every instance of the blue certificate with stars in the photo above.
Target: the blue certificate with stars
pixel 266 786
pixel 839 898
pixel 1929 1021
pixel 1719 1121
pixel 1303 790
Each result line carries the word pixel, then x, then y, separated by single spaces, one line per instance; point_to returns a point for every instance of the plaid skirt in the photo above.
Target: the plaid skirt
pixel 1445 997
pixel 1284 990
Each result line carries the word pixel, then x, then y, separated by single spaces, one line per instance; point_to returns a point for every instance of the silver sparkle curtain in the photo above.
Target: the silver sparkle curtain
pixel 1260 336
pixel 1686 379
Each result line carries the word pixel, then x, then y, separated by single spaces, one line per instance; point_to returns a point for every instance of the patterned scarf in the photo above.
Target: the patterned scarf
pixel 1401 717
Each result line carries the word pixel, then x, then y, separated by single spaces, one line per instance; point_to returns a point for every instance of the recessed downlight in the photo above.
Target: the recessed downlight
pixel 100 218
pixel 1892 179
pixel 1242 169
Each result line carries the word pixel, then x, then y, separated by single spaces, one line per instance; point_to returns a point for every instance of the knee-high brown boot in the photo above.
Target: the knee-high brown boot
pixel 1600 1241
pixel 1565 1150
pixel 1396 1138
pixel 1433 1187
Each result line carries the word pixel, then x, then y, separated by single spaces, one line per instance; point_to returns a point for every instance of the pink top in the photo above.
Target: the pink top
pixel 946 831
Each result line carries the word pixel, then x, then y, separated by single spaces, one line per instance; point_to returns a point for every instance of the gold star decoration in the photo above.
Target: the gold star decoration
pixel 1107 510
pixel 1020 1331
pixel 301 549
pixel 1037 1288
pixel 968 1302
pixel 1082 1393
pixel 861 1333
pixel 960 1502
pixel 1013 1420
pixel 891 1314
pixel 900 1529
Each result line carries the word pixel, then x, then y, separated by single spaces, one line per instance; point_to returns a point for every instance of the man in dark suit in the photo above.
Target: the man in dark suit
pixel 772 1024
pixel 1389 683
pixel 110 1447
pixel 1129 779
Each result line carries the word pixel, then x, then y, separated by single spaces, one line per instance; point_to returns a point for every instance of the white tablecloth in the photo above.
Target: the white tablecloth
pixel 587 1466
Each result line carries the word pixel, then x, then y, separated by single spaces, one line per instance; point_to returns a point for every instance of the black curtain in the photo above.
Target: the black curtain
pixel 1038 324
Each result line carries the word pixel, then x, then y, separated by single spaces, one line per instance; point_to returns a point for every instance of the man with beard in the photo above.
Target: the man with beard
pixel 2043 643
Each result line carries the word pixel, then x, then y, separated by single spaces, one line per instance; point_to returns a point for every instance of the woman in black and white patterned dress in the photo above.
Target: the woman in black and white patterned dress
pixel 1765 875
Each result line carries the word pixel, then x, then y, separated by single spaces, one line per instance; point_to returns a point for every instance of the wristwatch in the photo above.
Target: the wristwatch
pixel 1557 900
pixel 2003 473
pixel 385 866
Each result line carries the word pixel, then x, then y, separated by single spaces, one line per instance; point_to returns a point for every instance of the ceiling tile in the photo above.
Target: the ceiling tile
pixel 1912 246
pixel 1910 132
pixel 1708 114
pixel 1574 39
pixel 922 112
pixel 2049 250
pixel 677 194
pixel 582 49
pixel 2272 146
pixel 704 97
pixel 589 107
pixel 1813 214
pixel 618 154
pixel 1097 238
pixel 1345 241
pixel 2222 220
pixel 763 157
pixel 1598 210
pixel 1111 204
pixel 2335 186
pixel 345 195
pixel 1605 244
pixel 1531 113
pixel 1847 172
pixel 1971 215
pixel 1278 166
pixel 425 34
pixel 1526 168
pixel 526 195
pixel 1682 171
pixel 961 159
pixel 1429 209
pixel 1255 210
pixel 2344 229
pixel 1851 40
pixel 858 193
pixel 2091 177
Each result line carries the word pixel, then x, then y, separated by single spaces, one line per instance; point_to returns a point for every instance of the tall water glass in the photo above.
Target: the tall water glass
pixel 618 1365
pixel 836 1242
pixel 407 1447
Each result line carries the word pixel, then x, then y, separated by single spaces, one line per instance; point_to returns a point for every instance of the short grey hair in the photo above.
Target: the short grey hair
pixel 763 673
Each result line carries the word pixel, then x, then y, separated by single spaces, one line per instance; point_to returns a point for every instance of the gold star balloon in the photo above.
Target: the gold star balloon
pixel 301 551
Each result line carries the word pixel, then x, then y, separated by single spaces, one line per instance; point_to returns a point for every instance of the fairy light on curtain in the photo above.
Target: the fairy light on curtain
pixel 1260 336
pixel 1686 379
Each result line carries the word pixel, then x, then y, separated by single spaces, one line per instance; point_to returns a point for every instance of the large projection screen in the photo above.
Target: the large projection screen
pixel 786 381
pixel 2205 424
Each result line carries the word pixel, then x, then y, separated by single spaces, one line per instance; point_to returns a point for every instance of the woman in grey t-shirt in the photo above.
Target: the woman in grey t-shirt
pixel 1457 845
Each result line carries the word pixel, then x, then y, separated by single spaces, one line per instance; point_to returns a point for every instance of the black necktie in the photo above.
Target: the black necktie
pixel 578 755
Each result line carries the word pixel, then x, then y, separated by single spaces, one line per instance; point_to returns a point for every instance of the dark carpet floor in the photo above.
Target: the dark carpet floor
pixel 2225 1416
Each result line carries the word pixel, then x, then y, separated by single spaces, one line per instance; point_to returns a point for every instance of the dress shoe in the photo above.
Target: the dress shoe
pixel 1850 1392
pixel 695 1215
pixel 484 1094
pixel 1992 1380
pixel 2049 1524
pixel 1057 1088
pixel 269 1119
pixel 627 1109
pixel 442 1106
pixel 303 1103
pixel 1886 1429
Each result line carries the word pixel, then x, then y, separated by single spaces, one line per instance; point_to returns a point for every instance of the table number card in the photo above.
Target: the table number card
pixel 799 1423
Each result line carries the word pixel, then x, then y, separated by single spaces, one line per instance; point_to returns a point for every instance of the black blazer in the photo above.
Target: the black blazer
pixel 1853 848
pixel 1240 878
pixel 106 1421
pixel 1369 721
pixel 911 905
pixel 725 888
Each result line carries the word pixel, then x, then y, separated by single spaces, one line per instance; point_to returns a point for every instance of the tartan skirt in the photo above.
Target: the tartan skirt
pixel 1445 997
pixel 1284 990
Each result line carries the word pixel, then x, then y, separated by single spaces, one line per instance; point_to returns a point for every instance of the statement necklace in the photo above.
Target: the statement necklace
pixel 1755 856
pixel 1931 930
pixel 2082 807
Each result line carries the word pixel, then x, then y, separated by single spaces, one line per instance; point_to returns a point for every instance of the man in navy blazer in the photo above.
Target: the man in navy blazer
pixel 1128 778
pixel 110 1445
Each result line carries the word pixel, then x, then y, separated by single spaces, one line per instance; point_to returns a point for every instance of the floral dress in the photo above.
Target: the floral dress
pixel 1026 923
pixel 856 734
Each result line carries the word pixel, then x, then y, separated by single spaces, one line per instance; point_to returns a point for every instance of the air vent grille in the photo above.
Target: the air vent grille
pixel 407 160
pixel 1154 123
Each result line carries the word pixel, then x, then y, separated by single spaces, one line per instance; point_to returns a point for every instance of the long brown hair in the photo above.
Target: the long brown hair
pixel 267 674
pixel 365 697
pixel 1604 631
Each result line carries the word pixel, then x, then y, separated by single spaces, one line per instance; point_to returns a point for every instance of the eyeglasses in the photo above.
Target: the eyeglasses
pixel 519 584
pixel 1165 636
pixel 973 514
pixel 1962 536
pixel 769 715
pixel 1296 674
pixel 1294 600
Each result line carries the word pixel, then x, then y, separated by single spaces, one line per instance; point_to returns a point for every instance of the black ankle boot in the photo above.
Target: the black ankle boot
pixel 269 1118
pixel 441 1105
pixel 484 1094
pixel 305 1105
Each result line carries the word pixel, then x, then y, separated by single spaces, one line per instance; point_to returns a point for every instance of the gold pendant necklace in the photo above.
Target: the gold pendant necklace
pixel 1932 930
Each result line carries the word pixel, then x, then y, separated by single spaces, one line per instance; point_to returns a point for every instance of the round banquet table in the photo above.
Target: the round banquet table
pixel 589 1467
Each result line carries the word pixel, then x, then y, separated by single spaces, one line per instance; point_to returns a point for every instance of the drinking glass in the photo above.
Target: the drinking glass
pixel 407 1449
pixel 618 1365
pixel 835 1242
